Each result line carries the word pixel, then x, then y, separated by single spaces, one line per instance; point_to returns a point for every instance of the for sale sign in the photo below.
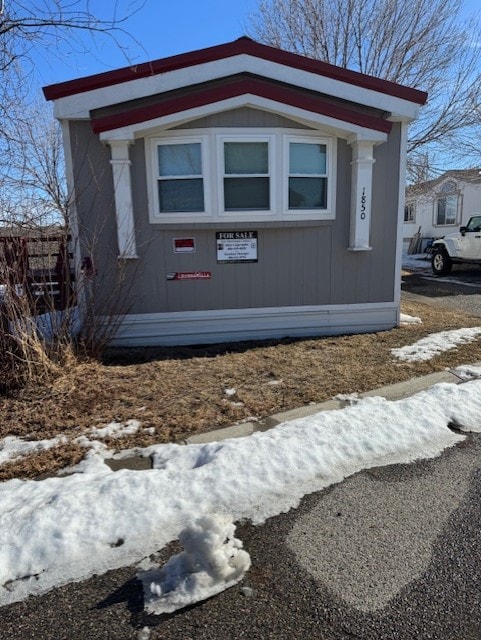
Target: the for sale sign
pixel 236 246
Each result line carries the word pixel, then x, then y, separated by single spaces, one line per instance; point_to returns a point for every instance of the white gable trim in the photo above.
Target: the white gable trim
pixel 78 106
pixel 335 127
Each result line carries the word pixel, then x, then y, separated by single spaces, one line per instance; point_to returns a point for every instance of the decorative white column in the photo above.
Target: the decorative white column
pixel 123 198
pixel 361 194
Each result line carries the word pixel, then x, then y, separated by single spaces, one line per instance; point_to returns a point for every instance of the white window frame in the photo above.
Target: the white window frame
pixel 447 190
pixel 212 145
pixel 176 216
pixel 318 214
pixel 271 155
pixel 410 209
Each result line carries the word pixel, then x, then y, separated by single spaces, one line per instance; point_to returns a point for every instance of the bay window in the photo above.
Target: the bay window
pixel 209 175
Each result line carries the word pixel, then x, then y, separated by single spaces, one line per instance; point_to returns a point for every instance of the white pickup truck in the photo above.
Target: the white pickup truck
pixel 458 248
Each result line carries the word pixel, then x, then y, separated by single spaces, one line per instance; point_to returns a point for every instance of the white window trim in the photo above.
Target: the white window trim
pixel 239 137
pixel 440 196
pixel 410 206
pixel 152 172
pixel 212 141
pixel 309 214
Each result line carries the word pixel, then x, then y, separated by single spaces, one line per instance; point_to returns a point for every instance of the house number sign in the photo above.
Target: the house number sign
pixel 363 204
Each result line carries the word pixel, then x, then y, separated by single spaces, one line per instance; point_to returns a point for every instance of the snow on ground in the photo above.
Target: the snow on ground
pixel 416 261
pixel 65 529
pixel 13 448
pixel 468 372
pixel 404 318
pixel 435 343
pixel 116 429
pixel 213 560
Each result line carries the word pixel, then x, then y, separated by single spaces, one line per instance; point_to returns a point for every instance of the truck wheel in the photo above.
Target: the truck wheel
pixel 441 262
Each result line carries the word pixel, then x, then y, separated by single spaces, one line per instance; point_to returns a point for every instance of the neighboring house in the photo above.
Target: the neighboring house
pixel 238 192
pixel 438 207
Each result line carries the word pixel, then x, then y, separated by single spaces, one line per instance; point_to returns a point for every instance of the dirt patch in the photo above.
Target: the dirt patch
pixel 176 392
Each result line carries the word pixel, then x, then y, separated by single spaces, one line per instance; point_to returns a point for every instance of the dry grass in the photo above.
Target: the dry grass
pixel 181 391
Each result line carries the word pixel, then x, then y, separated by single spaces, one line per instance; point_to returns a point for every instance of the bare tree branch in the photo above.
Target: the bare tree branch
pixel 35 28
pixel 32 177
pixel 419 43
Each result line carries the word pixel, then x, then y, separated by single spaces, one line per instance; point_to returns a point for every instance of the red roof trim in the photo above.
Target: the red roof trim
pixel 239 87
pixel 237 47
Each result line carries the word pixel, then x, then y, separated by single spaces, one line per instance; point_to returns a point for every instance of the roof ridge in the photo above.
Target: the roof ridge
pixel 243 45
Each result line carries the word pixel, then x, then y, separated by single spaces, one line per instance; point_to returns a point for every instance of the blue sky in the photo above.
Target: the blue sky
pixel 159 29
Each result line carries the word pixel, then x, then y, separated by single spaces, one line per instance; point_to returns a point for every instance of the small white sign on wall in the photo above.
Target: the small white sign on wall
pixel 184 245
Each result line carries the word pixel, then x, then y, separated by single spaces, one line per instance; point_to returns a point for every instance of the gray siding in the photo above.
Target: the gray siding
pixel 300 263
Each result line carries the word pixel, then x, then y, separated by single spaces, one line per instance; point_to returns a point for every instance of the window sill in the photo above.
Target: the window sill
pixel 242 218
pixel 239 225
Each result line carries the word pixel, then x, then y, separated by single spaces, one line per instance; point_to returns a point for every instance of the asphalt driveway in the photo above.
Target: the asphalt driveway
pixel 459 291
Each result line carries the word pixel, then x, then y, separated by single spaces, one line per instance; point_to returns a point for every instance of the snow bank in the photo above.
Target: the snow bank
pixel 213 560
pixel 65 529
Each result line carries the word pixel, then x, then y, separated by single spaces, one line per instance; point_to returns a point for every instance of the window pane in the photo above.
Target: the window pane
pixel 447 209
pixel 451 207
pixel 307 193
pixel 441 211
pixel 246 157
pixel 409 213
pixel 305 158
pixel 244 194
pixel 181 195
pixel 180 159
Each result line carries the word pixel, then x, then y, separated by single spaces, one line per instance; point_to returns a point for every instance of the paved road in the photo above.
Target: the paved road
pixel 390 553
pixel 459 291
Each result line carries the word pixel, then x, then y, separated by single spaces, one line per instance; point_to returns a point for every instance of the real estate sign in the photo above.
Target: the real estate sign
pixel 236 246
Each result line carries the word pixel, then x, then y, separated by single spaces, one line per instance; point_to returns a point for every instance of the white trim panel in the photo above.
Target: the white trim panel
pixel 120 163
pixel 73 220
pixel 79 105
pixel 339 128
pixel 361 195
pixel 400 218
pixel 231 325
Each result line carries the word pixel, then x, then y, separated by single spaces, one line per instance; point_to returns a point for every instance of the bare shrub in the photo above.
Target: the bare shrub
pixel 37 308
